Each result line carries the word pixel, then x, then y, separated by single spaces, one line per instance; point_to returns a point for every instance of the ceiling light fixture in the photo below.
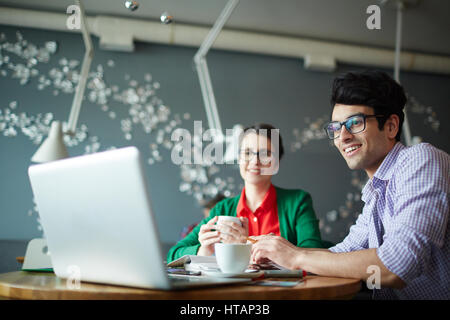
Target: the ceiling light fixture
pixel 131 5
pixel 207 90
pixel 53 147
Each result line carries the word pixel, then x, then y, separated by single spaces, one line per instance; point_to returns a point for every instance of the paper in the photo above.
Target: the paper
pixel 209 263
pixel 273 270
pixel 196 263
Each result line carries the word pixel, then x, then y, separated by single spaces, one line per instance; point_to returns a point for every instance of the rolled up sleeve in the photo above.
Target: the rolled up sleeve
pixel 405 253
pixel 420 217
pixel 419 224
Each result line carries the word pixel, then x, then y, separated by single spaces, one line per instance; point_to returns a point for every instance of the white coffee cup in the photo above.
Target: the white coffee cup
pixel 233 257
pixel 229 218
pixel 222 219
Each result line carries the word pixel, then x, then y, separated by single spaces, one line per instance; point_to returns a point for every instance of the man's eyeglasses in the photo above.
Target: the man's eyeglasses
pixel 354 124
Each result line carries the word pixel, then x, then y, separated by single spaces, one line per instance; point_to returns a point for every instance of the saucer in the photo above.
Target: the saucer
pixel 219 274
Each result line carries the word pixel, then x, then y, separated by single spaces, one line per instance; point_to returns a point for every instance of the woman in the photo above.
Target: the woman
pixel 261 207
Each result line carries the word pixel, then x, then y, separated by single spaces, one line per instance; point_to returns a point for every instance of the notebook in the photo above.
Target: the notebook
pixel 96 214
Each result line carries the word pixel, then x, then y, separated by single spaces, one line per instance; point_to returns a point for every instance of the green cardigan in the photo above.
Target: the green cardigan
pixel 298 222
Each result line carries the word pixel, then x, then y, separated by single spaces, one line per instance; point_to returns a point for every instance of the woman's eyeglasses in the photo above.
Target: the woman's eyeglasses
pixel 264 156
pixel 354 124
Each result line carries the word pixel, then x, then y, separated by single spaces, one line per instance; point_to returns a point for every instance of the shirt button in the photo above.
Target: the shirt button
pixel 255 219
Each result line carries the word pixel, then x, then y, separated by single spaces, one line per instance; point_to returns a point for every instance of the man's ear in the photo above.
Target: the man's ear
pixel 391 126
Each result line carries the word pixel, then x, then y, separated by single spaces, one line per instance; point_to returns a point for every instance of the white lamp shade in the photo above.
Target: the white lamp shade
pixel 53 147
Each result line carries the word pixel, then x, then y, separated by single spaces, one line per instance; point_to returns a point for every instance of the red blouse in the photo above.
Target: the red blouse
pixel 265 218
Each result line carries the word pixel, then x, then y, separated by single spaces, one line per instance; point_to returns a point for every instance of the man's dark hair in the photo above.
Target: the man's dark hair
pixel 267 132
pixel 212 202
pixel 375 89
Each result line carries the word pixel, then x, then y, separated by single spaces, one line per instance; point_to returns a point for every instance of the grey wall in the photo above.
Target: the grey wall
pixel 248 88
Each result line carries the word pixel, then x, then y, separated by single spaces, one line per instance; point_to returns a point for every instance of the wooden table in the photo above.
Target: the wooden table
pixel 34 285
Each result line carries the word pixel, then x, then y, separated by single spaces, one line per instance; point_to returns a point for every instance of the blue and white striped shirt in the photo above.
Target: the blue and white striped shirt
pixel 405 217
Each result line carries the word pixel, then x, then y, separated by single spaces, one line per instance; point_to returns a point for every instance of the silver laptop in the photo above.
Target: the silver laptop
pixel 97 219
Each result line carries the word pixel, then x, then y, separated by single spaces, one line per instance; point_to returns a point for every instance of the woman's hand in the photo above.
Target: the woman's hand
pixel 232 232
pixel 207 237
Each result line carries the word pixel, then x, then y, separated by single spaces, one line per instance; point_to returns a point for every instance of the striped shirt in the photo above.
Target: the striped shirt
pixel 405 216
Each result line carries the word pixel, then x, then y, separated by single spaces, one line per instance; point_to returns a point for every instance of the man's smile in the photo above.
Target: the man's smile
pixel 352 149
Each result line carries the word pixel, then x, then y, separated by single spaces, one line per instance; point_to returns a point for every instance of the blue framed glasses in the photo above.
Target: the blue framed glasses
pixel 353 124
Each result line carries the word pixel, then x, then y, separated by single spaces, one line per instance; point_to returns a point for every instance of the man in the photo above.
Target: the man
pixel 403 230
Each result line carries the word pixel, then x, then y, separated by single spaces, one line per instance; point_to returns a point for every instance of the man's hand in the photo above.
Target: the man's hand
pixel 277 249
pixel 323 262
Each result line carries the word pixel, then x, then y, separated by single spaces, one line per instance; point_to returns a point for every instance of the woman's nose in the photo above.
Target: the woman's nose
pixel 254 158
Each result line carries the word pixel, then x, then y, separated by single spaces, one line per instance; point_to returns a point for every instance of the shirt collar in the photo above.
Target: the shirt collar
pixel 383 174
pixel 386 169
pixel 269 201
pixel 367 191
